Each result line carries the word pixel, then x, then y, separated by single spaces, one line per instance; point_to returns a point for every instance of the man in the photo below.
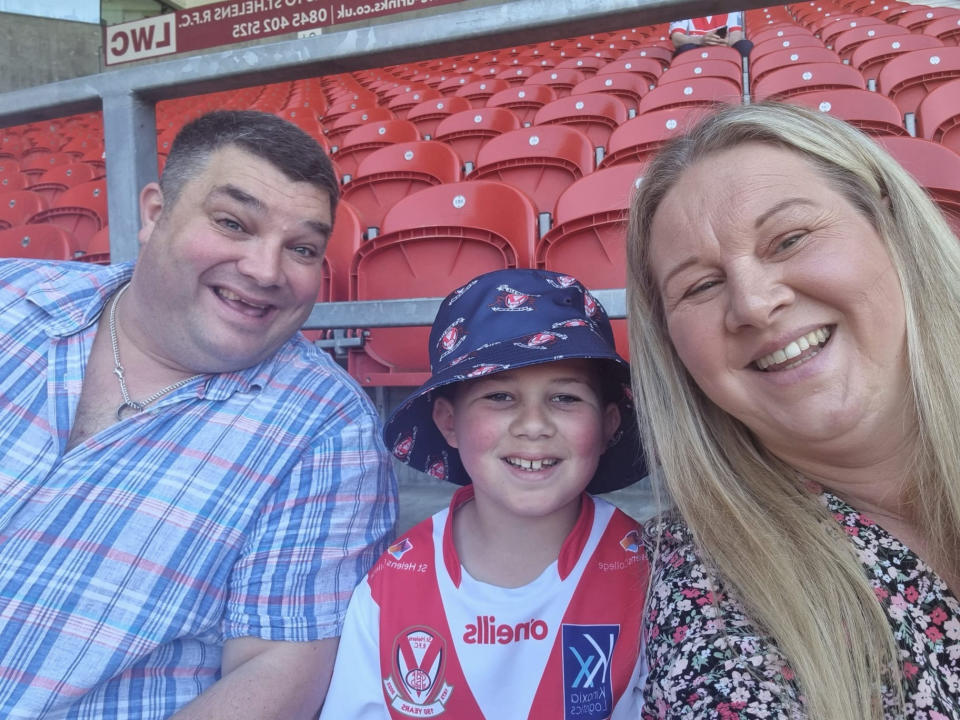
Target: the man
pixel 724 29
pixel 189 490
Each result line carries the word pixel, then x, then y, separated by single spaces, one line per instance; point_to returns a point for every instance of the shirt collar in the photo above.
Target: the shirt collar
pixel 74 300
pixel 570 551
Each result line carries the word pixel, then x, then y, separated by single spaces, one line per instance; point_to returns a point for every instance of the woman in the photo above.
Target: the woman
pixel 794 302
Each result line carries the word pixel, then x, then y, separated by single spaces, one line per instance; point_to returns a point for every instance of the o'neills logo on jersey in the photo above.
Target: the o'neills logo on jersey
pixel 416 686
pixel 486 631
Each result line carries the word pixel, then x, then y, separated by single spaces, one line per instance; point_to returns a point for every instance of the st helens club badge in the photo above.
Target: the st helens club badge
pixel 416 686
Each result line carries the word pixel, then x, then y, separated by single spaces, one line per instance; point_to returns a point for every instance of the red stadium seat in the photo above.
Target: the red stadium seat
pixel 907 78
pixel 339 127
pixel 589 238
pixel 10 177
pixel 401 103
pixel 542 161
pixel 36 163
pixel 945 29
pixel 935 167
pixel 846 42
pixel 561 81
pixel 637 139
pixel 704 68
pixel 524 100
pixel 468 131
pixel 395 171
pixel 596 115
pixel 18 206
pixel 916 20
pixel 774 44
pixel 938 115
pixel 870 57
pixel 81 211
pixel 778 30
pixel 588 64
pixel 43 242
pixel 629 87
pixel 428 114
pixel 355 101
pixel 59 178
pixel 787 57
pixel 831 32
pixel 699 91
pixel 871 112
pixel 434 241
pixel 98 249
pixel 346 238
pixel 517 74
pixel 786 82
pixel 648 68
pixel 363 140
pixel 478 92
pixel 657 52
pixel 710 52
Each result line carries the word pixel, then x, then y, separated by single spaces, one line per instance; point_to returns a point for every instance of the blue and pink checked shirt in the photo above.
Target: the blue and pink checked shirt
pixel 243 504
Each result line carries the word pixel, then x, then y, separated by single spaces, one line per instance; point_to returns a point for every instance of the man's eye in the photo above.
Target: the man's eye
pixel 230 224
pixel 306 251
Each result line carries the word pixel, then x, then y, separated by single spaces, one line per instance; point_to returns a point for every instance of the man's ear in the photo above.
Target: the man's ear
pixel 151 208
pixel 443 416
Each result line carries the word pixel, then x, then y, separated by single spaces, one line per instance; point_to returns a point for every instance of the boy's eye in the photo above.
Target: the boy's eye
pixel 566 398
pixel 497 396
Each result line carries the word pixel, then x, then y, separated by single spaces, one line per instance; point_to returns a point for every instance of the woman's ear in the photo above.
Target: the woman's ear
pixel 443 418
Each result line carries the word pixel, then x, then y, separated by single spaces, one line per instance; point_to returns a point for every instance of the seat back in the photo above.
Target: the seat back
pixel 524 100
pixel 908 77
pixel 468 131
pixel 705 68
pixel 362 140
pixel 394 171
pixel 938 115
pixel 698 91
pixel 336 129
pixel 870 57
pixel 561 80
pixel 542 161
pixel 428 114
pixel 434 241
pixel 596 115
pixel 774 44
pixel 648 68
pixel 637 139
pixel 42 242
pixel 787 57
pixel 849 40
pixel 870 111
pixel 629 87
pixel 793 80
pixel 80 210
pixel 946 29
pixel 477 92
pixel 18 206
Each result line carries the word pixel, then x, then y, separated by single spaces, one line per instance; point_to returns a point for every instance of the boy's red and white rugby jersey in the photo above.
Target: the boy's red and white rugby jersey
pixel 423 639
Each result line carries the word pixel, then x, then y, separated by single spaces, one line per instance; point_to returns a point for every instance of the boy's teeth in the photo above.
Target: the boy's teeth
pixel 795 348
pixel 531 464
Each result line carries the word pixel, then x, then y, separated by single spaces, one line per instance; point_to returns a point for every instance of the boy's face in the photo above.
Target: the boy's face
pixel 530 438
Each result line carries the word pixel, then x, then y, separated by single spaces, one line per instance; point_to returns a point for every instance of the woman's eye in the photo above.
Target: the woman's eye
pixel 697 289
pixel 789 242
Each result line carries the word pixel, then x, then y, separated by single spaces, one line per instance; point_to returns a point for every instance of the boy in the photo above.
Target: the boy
pixel 524 598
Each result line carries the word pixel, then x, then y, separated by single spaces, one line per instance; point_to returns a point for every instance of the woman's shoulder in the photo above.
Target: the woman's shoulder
pixel 705 657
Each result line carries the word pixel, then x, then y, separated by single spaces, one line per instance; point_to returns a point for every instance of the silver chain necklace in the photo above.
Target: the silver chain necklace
pixel 136 405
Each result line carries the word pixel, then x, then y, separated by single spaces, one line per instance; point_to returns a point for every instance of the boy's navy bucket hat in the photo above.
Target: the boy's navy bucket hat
pixel 512 319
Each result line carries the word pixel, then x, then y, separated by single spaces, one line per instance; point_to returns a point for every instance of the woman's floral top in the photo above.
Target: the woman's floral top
pixel 698 663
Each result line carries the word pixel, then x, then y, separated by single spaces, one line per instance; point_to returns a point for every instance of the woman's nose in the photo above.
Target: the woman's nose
pixel 755 294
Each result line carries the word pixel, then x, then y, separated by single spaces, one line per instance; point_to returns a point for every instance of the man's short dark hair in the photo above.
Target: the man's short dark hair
pixel 281 143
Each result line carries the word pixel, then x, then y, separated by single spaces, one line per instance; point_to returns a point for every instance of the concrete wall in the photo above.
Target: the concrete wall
pixel 35 51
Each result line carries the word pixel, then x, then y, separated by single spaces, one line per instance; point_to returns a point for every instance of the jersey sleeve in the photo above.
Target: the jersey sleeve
pixel 735 21
pixel 318 534
pixel 356 690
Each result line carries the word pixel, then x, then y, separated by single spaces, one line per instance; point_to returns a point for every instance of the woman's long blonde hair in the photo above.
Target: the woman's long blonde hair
pixel 755 524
